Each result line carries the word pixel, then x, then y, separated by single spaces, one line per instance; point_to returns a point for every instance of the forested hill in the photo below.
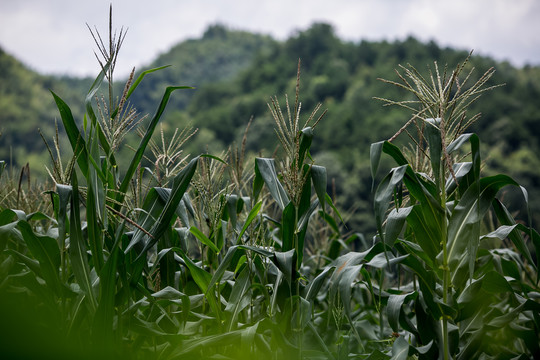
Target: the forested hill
pixel 220 55
pixel 236 73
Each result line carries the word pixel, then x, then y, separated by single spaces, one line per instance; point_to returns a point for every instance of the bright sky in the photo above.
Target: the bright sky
pixel 51 36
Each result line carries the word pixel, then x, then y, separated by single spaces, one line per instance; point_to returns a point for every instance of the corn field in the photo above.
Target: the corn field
pixel 229 256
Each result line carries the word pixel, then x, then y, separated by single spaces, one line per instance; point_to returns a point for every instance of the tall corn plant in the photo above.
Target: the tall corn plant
pixel 471 284
pixel 93 265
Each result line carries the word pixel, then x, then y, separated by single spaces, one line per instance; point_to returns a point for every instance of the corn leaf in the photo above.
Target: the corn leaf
pixel 265 170
pixel 136 160
pixel 45 250
pixel 77 248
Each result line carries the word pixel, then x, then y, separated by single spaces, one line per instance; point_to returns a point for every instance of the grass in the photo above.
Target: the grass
pixel 213 256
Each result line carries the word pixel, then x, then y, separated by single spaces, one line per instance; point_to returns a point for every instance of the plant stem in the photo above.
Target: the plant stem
pixel 446 270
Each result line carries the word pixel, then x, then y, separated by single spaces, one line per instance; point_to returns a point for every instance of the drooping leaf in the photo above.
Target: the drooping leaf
pixel 317 283
pixel 493 282
pixel 286 263
pixel 384 194
pixel 508 222
pixel 319 178
pixel 464 224
pixel 395 306
pixel 45 250
pixel 394 224
pixel 400 349
pixel 168 293
pixel 265 170
pixel 305 143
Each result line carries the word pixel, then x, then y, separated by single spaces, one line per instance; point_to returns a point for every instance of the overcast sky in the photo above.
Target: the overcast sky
pixel 51 36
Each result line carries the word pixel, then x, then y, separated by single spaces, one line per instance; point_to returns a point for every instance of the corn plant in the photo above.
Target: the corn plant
pixel 471 282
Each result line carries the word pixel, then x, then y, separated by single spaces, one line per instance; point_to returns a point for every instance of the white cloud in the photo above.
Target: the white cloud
pixel 51 35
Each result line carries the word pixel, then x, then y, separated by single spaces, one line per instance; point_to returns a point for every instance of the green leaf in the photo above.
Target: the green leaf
pixel 464 224
pixel 394 306
pixel 375 153
pixel 77 248
pixel 137 82
pixel 305 143
pixel 76 140
pixel 136 160
pixel 204 239
pixel 382 260
pixel 214 157
pixel 288 227
pixel 166 215
pixel 501 233
pixel 286 263
pixel 427 231
pixel 317 283
pixel 168 293
pixel 32 264
pixel 45 250
pixel 188 347
pixel 95 209
pixel 461 170
pixel 64 195
pixel 103 322
pixel 238 301
pixel 377 355
pixel 265 170
pixel 433 136
pixel 319 178
pixel 394 224
pixel 495 283
pixel 336 211
pixel 302 313
pixel 252 215
pixel 224 264
pixel 347 277
pixel 202 279
pixel 258 250
pixel 400 349
pixel 384 194
pixel 475 150
pixel 507 220
pixel 7 232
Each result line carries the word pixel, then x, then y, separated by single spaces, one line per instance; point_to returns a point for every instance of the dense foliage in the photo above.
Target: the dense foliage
pixel 233 256
pixel 235 72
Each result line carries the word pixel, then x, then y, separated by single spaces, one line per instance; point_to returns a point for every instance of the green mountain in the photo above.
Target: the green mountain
pixel 235 74
pixel 26 105
pixel 220 55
